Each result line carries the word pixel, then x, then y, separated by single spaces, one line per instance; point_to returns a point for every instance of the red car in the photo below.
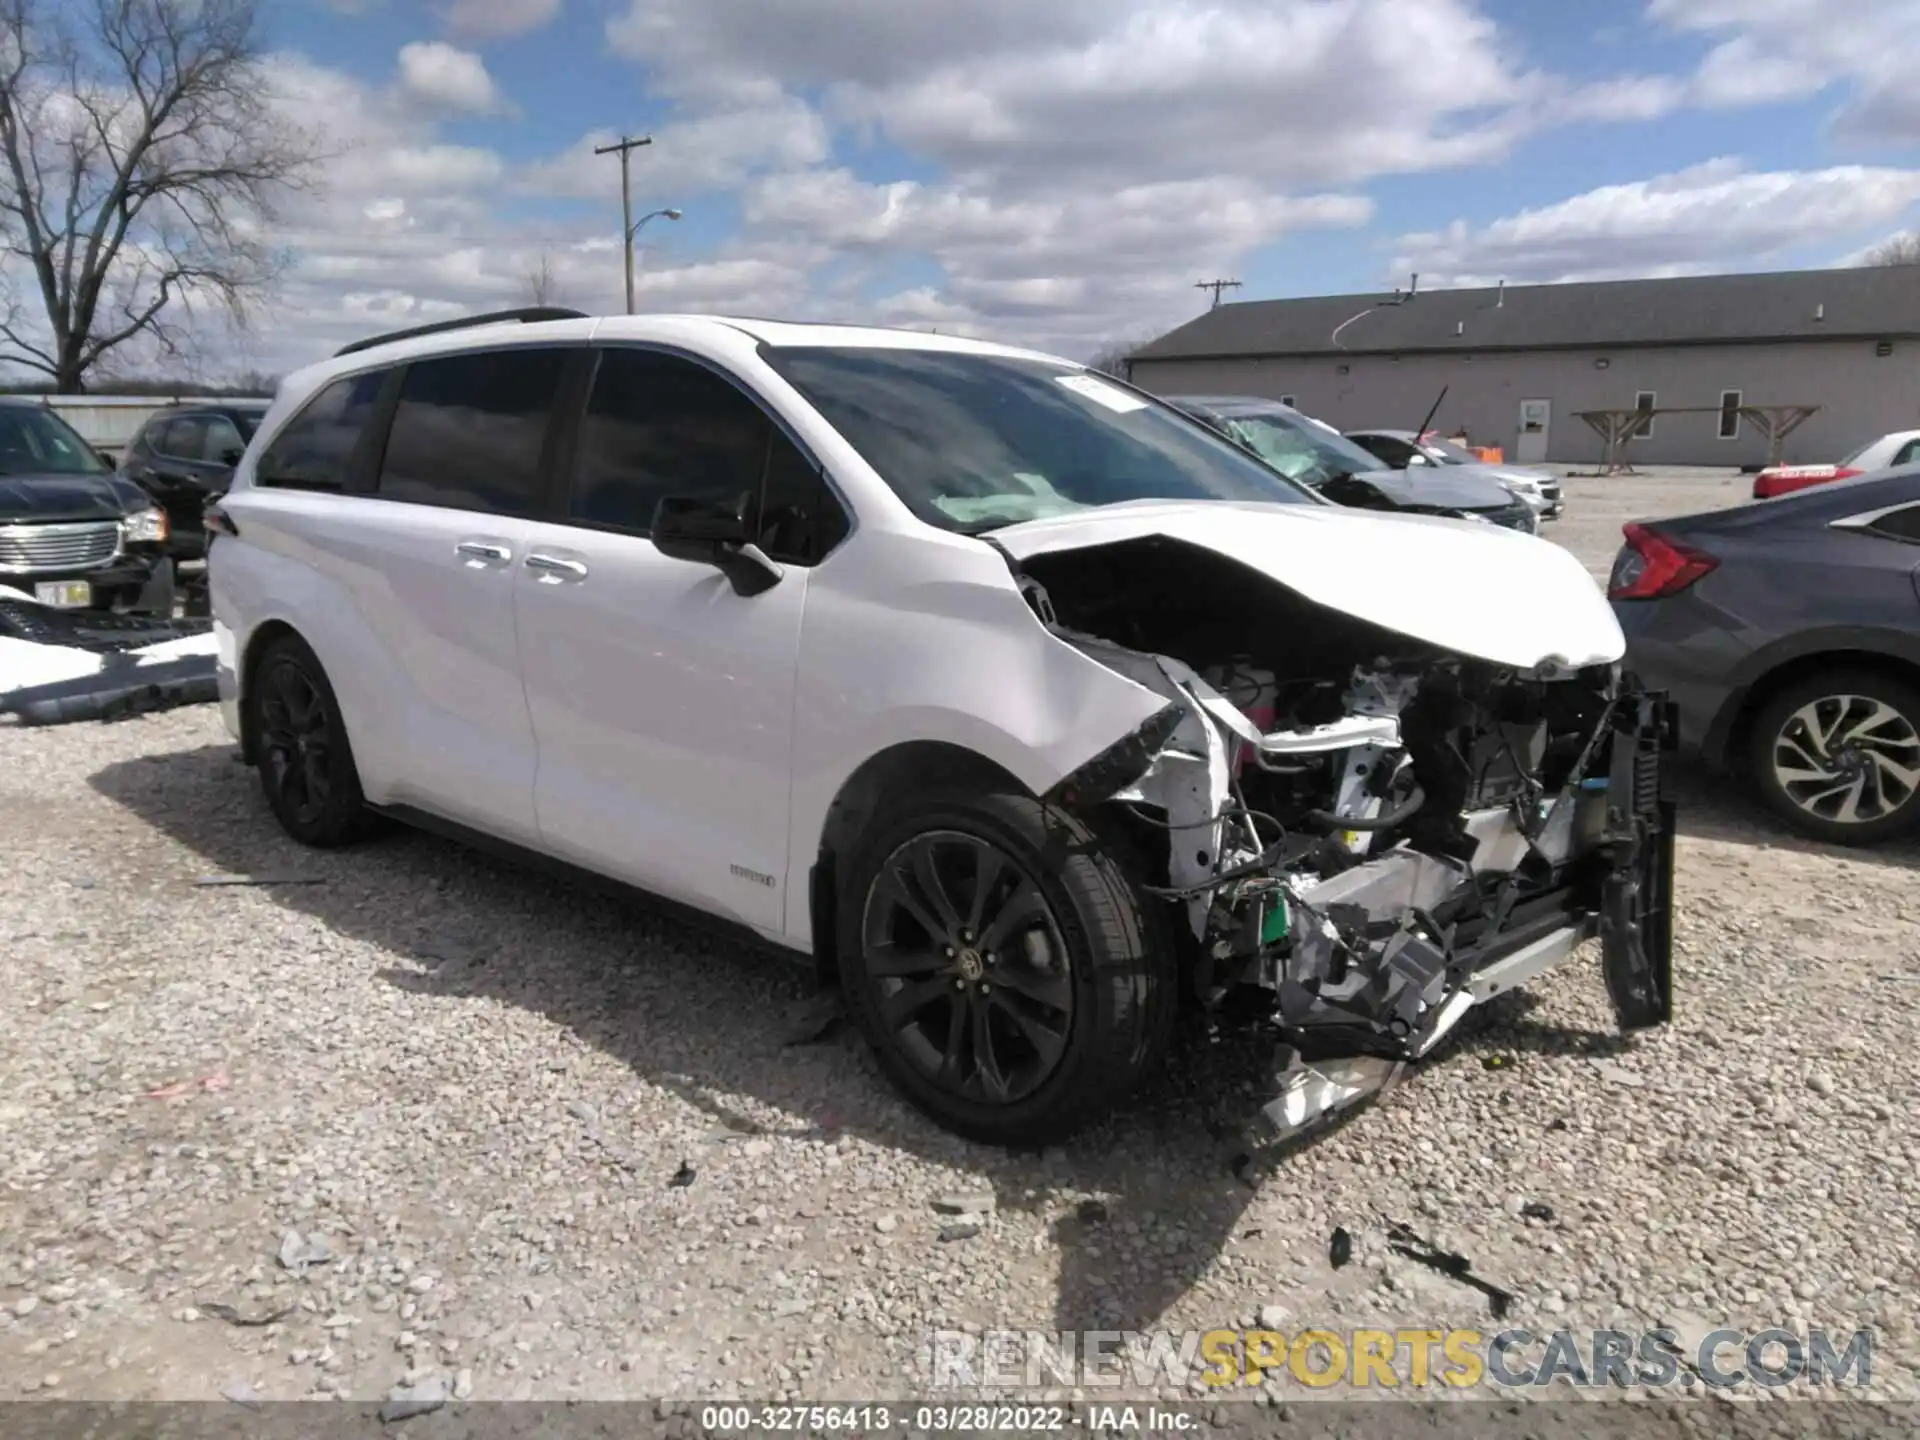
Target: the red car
pixel 1902 447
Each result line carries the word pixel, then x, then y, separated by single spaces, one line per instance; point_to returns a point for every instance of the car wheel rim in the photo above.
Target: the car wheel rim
pixel 296 741
pixel 1848 759
pixel 972 979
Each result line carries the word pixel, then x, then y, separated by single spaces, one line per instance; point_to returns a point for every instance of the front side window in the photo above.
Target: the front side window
pixel 316 448
pixel 470 428
pixel 971 442
pixel 660 425
pixel 33 440
pixel 1391 450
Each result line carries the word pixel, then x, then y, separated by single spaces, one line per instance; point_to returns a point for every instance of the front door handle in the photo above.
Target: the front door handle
pixel 553 570
pixel 483 550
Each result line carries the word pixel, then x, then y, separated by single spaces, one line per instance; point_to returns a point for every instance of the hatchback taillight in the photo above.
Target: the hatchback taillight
pixel 1653 566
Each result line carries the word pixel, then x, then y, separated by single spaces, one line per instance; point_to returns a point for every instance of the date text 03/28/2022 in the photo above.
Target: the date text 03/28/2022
pixel 964 1418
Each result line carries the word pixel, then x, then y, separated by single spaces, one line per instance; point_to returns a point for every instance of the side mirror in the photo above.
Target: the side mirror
pixel 714 532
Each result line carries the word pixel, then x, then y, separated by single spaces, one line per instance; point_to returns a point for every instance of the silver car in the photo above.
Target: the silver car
pixel 1404 448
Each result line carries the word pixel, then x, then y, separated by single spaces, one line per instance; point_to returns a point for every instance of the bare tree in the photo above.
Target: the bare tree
pixel 1897 250
pixel 543 286
pixel 1112 359
pixel 141 161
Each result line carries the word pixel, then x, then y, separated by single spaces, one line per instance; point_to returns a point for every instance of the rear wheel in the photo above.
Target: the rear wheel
pixel 1837 755
pixel 305 761
pixel 1000 961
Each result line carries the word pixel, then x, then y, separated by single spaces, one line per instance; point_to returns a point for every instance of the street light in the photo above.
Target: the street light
pixel 634 230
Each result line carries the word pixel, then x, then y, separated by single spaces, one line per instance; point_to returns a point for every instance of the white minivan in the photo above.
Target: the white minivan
pixel 1023 706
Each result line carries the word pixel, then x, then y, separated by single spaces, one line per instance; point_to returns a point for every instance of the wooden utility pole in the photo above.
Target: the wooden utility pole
pixel 1216 286
pixel 624 147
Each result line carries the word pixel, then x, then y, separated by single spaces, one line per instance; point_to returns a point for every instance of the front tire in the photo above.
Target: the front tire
pixel 1003 965
pixel 1837 756
pixel 305 759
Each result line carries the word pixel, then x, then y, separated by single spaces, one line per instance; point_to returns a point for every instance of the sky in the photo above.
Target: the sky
pixel 1060 173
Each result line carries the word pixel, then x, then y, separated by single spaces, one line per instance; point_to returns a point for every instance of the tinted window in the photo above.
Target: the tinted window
pixel 314 452
pixel 185 437
pixel 800 520
pixel 469 429
pixel 1396 453
pixel 1900 524
pixel 971 442
pixel 659 425
pixel 1909 453
pixel 222 439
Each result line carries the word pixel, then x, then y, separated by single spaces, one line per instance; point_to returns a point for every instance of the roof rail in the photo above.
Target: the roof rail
pixel 529 316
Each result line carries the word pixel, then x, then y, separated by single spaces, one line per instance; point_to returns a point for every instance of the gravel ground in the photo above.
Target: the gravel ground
pixel 476 1086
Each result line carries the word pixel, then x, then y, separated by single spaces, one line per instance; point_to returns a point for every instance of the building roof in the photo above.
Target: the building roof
pixel 1876 303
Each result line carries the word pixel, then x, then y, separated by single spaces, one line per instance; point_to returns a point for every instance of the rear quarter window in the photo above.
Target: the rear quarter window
pixel 315 450
pixel 1900 525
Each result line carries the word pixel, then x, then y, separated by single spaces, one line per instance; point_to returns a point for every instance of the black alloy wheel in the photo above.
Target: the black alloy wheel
pixel 1010 975
pixel 301 749
pixel 974 978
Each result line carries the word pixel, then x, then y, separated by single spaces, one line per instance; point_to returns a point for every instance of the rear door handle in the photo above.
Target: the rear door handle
pixel 484 551
pixel 553 570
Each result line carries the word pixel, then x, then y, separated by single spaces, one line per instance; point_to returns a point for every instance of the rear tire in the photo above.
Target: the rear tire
pixel 1020 991
pixel 305 759
pixel 1837 756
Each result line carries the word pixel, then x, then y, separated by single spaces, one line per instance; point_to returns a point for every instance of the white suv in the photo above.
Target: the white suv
pixel 1023 705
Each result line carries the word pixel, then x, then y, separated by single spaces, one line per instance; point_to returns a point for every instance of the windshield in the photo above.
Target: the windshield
pixel 1297 447
pixel 973 442
pixel 1854 457
pixel 34 440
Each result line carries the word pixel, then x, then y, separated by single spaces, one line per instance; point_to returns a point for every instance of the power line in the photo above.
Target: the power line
pixel 1216 286
pixel 624 147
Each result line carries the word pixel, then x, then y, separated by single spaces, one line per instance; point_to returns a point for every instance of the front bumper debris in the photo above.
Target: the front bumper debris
pixel 1351 1030
pixel 65 665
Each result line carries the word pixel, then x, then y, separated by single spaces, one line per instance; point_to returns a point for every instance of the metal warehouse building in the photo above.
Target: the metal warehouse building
pixel 1520 362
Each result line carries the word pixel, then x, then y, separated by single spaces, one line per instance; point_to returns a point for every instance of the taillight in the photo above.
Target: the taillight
pixel 1770 483
pixel 1653 566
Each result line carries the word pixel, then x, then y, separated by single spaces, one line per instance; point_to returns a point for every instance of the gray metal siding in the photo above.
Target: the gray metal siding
pixel 1862 394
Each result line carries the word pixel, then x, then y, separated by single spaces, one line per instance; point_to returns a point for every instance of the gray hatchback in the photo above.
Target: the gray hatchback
pixel 1788 632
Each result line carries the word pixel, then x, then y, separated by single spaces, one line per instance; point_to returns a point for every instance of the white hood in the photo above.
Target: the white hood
pixel 1472 588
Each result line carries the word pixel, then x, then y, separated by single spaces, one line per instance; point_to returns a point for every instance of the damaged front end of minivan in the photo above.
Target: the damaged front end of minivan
pixel 1367 832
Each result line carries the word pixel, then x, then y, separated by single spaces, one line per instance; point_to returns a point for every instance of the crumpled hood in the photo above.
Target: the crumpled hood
pixel 1449 487
pixel 33 499
pixel 1474 589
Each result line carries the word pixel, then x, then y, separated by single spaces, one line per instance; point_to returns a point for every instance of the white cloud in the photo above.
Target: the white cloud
pixel 704 153
pixel 1025 96
pixel 1714 216
pixel 495 19
pixel 1770 50
pixel 444 78
pixel 1077 164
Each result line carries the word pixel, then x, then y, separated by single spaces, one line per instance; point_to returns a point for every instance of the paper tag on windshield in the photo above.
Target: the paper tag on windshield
pixel 1101 393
